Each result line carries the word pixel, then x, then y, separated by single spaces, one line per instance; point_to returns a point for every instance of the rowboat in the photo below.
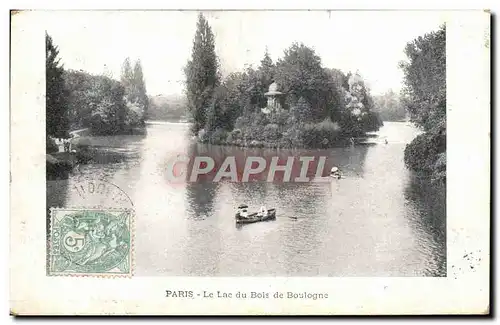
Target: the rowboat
pixel 255 217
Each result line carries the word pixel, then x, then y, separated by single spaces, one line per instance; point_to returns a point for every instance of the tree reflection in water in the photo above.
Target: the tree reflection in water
pixel 429 202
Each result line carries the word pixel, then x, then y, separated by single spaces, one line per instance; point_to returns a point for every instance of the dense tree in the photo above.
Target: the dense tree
pixel 57 123
pixel 303 110
pixel 172 107
pixel 79 85
pixel 98 102
pixel 338 77
pixel 140 87
pixel 357 116
pixel 425 79
pixel 202 74
pixel 127 74
pixel 389 106
pixel 300 74
pixel 425 100
pixel 267 68
pixel 108 107
pixel 266 71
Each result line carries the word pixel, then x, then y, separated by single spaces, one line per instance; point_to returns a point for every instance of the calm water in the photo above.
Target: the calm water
pixel 377 221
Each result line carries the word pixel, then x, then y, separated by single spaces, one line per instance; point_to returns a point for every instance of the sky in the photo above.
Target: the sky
pixel 371 42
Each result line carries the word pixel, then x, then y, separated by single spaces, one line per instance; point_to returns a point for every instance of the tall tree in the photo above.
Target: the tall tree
pixel 140 87
pixel 267 68
pixel 202 74
pixel 425 79
pixel 127 77
pixel 57 123
pixel 135 89
pixel 425 100
pixel 127 74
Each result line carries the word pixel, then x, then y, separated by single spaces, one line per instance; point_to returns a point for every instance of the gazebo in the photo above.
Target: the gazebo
pixel 273 98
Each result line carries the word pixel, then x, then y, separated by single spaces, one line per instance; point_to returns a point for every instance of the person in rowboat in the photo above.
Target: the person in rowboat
pixel 242 211
pixel 335 172
pixel 263 211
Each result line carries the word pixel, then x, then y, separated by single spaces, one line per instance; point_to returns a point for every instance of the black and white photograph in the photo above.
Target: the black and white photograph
pixel 247 144
pixel 371 102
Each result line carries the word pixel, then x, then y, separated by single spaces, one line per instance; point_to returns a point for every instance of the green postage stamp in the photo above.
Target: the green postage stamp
pixel 90 242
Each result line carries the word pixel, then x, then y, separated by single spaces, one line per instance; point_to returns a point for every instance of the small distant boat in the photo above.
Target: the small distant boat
pixel 242 216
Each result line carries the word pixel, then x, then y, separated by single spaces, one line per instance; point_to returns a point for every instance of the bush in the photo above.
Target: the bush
pixel 234 135
pixel 423 152
pixel 259 119
pixel 320 135
pixel 219 136
pixel 439 170
pixel 271 132
pixel 242 122
pixel 292 137
pixel 280 118
pixel 254 133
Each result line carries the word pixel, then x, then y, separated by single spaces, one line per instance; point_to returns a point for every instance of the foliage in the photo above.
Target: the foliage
pixel 50 145
pixel 358 115
pixel 271 132
pixel 439 170
pixel 79 85
pixel 109 111
pixel 234 137
pixel 97 102
pixel 371 122
pixel 389 106
pixel 320 105
pixel 202 76
pixel 57 123
pixel 76 99
pixel 135 90
pixel 293 137
pixel 300 74
pixel 170 107
pixel 267 69
pixel 321 134
pixel 135 114
pixel 218 136
pixel 425 79
pixel 425 100
pixel 423 152
pixel 302 110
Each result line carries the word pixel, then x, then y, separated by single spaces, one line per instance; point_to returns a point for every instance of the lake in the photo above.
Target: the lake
pixel 379 220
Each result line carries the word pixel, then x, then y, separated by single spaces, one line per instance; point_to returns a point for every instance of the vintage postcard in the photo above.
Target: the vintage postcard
pixel 300 162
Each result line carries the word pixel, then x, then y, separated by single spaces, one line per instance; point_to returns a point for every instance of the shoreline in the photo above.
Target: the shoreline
pixel 344 142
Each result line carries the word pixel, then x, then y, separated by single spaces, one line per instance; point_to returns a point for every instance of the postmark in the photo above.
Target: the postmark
pixel 86 241
pixel 93 192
